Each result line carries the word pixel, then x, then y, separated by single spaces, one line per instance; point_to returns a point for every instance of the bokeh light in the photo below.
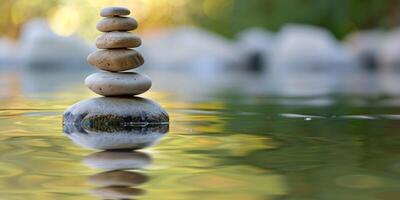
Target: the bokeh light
pixel 65 21
pixel 226 17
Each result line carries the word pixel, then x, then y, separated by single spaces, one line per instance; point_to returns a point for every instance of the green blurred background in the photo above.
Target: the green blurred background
pixel 225 17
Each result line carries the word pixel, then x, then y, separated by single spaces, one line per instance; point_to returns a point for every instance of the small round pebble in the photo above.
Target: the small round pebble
pixel 118 84
pixel 116 60
pixel 117 24
pixel 114 11
pixel 112 40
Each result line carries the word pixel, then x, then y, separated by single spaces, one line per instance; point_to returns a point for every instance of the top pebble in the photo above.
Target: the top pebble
pixel 114 11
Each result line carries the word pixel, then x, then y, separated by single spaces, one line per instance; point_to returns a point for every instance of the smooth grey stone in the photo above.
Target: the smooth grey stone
pixel 114 11
pixel 116 192
pixel 118 84
pixel 104 112
pixel 116 39
pixel 118 160
pixel 118 178
pixel 116 60
pixel 117 24
pixel 115 123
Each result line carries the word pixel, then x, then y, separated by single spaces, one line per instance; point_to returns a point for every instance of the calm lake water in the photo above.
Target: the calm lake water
pixel 222 144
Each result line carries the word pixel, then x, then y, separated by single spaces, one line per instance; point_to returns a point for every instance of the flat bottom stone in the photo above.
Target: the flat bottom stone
pixel 107 111
pixel 115 123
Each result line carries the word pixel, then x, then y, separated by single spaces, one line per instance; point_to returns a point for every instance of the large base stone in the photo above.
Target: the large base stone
pixel 115 123
pixel 106 111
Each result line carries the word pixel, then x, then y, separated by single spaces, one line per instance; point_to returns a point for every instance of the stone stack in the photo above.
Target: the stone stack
pixel 117 125
pixel 116 55
pixel 120 120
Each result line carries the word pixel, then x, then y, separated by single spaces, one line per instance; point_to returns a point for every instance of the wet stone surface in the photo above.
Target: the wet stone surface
pixel 115 111
pixel 115 123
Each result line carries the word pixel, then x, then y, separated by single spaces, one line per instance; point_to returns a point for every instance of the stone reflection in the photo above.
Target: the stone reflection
pixel 118 178
pixel 121 178
pixel 114 160
pixel 119 127
pixel 126 137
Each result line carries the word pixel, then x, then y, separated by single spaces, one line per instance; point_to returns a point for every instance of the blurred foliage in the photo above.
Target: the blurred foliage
pixel 226 17
pixel 339 16
pixel 16 12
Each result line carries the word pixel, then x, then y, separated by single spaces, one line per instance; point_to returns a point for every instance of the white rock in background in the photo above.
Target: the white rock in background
pixel 365 46
pixel 256 46
pixel 308 60
pixel 389 54
pixel 41 48
pixel 189 48
pixel 389 63
pixel 8 50
pixel 309 46
pixel 389 82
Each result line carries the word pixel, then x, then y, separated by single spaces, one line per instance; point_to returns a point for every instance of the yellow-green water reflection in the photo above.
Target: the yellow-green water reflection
pixel 221 148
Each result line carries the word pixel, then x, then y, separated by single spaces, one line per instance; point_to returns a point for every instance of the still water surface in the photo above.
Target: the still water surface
pixel 230 146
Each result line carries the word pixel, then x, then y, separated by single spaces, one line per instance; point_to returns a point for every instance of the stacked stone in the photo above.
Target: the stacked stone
pixel 116 55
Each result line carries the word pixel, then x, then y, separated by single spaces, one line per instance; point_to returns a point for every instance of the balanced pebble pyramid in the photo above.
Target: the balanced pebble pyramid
pixel 115 56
